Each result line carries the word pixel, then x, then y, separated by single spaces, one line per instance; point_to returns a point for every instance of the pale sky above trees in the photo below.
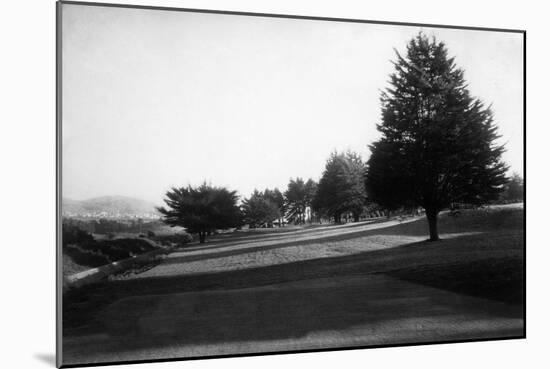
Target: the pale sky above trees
pixel 155 99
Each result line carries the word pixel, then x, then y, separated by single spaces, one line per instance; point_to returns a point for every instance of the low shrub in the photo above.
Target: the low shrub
pixel 96 253
pixel 132 245
pixel 178 239
pixel 118 249
pixel 86 258
pixel 71 234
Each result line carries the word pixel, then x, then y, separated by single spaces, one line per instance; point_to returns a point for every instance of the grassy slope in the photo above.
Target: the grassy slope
pixel 91 254
pixel 488 263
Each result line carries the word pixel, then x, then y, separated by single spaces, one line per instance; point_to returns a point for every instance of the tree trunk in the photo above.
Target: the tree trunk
pixel 356 217
pixel 431 214
pixel 202 237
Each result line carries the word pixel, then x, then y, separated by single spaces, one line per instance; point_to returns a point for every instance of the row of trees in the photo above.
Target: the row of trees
pixel 270 206
pixel 205 209
pixel 340 190
pixel 264 208
pixel 437 147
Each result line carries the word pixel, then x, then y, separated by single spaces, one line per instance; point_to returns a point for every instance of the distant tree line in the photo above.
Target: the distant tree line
pixel 437 148
pixel 513 190
pixel 205 209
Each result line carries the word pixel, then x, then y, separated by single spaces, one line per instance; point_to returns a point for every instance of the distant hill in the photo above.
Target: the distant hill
pixel 110 206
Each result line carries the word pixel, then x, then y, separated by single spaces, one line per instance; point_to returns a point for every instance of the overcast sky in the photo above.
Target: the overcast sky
pixel 154 99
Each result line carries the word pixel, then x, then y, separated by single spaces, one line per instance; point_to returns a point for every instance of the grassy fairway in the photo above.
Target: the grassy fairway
pixel 488 263
pixel 376 286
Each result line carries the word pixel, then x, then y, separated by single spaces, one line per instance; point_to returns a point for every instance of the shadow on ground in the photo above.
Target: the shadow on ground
pixel 468 221
pixel 81 305
pixel 427 289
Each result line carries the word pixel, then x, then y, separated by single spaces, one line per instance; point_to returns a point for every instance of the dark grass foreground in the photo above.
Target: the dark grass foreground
pixel 498 268
pixel 498 279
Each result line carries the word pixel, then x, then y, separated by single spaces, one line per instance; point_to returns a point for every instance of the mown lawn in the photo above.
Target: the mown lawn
pixel 481 255
pixel 492 278
pixel 487 263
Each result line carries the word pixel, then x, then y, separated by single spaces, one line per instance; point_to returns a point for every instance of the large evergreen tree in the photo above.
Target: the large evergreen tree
pixel 341 188
pixel 438 142
pixel 201 210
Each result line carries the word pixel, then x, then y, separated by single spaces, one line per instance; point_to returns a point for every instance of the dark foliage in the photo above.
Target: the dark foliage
pixel 96 253
pixel 437 145
pixel 85 258
pixel 201 210
pixel 310 191
pixel 341 188
pixel 514 189
pixel 260 209
pixel 71 234
pixel 276 197
pixel 298 197
pixel 178 239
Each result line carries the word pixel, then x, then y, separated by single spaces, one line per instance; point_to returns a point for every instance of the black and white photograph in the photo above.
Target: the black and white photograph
pixel 237 184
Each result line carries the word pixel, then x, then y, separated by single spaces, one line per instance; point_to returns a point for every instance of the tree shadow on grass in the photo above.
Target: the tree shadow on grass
pixel 469 221
pixel 237 239
pixel 499 279
pixel 400 260
pixel 369 288
pixel 392 308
